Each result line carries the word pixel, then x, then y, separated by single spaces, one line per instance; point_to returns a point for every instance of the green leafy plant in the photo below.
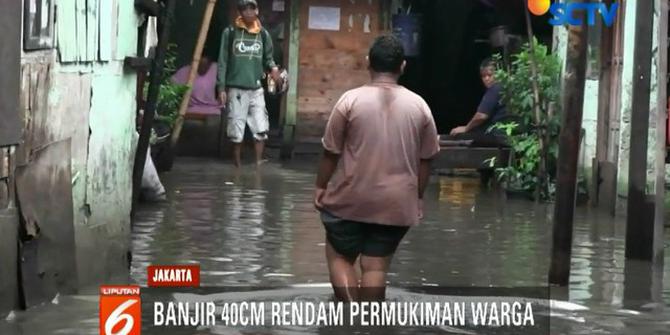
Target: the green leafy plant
pixel 170 64
pixel 533 136
pixel 169 100
pixel 170 94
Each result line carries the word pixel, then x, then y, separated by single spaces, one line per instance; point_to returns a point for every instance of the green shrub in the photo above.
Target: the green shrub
pixel 170 94
pixel 528 131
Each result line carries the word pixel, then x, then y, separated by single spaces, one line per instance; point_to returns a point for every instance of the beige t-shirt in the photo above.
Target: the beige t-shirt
pixel 381 131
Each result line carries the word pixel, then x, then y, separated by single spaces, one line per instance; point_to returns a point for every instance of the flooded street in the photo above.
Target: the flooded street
pixel 249 229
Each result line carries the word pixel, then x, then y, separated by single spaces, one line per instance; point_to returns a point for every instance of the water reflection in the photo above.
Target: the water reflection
pixel 265 223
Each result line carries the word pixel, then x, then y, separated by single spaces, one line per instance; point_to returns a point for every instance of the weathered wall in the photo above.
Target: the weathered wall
pixel 590 127
pixel 332 62
pixel 627 101
pixel 80 91
pixel 96 98
pixel 590 115
pixel 109 175
pixel 9 294
pixel 621 127
pixel 93 104
pixel 10 45
pixel 623 140
pixel 10 126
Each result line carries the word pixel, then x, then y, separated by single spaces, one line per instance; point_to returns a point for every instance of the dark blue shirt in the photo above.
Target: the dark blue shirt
pixel 492 106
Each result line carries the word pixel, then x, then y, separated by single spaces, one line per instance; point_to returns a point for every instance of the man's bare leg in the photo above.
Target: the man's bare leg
pixel 259 146
pixel 237 154
pixel 373 278
pixel 343 275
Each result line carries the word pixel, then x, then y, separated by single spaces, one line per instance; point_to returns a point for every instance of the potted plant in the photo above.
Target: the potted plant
pixel 533 135
pixel 167 111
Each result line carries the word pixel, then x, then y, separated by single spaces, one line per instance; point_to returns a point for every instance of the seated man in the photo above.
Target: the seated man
pixel 490 111
pixel 203 97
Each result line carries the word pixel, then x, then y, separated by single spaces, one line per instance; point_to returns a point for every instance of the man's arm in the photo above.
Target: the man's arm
pixel 268 56
pixel 476 121
pixel 223 61
pixel 424 176
pixel 484 112
pixel 327 166
pixel 333 144
pixel 430 147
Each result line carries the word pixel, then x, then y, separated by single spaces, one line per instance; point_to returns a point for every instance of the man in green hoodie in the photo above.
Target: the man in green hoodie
pixel 246 53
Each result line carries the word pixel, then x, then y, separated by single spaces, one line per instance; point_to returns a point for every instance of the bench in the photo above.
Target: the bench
pixel 464 154
pixel 204 118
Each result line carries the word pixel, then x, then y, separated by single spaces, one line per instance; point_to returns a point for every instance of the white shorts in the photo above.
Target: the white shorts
pixel 247 107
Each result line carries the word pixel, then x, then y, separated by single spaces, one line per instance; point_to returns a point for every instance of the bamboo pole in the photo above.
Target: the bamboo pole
pixel 540 124
pixel 197 54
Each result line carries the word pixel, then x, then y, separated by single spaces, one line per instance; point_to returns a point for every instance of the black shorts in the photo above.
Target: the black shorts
pixel 351 238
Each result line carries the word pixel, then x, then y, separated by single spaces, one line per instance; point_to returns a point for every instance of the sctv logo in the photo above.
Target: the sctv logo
pixel 564 13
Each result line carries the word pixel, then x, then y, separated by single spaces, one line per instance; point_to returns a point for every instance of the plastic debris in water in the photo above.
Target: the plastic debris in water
pixel 55 299
pixel 278 275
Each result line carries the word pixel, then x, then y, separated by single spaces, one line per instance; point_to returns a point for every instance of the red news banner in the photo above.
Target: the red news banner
pixel 173 276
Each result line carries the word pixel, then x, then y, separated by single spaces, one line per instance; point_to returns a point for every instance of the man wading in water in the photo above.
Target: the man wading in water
pixel 246 52
pixel 385 137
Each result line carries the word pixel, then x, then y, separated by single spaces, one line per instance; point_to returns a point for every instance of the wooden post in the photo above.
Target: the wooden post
pixel 607 170
pixel 152 99
pixel 197 54
pixel 290 119
pixel 539 120
pixel 642 284
pixel 604 92
pixel 643 281
pixel 640 217
pixel 568 153
pixel 661 133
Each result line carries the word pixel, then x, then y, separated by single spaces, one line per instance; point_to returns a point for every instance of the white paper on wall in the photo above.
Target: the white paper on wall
pixel 324 18
pixel 278 5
